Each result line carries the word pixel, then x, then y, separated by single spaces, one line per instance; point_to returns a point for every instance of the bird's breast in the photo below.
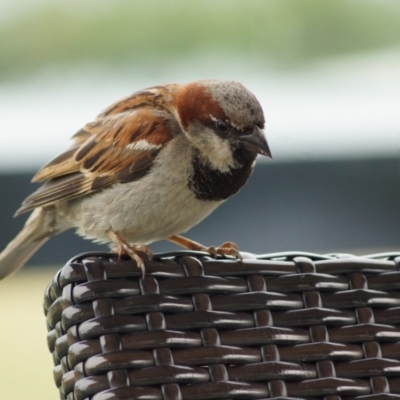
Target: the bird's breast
pixel 157 206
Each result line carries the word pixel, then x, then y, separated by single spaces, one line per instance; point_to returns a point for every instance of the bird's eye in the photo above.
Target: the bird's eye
pixel 222 126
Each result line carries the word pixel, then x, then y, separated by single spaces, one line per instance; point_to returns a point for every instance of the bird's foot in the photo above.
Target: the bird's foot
pixel 225 249
pixel 121 247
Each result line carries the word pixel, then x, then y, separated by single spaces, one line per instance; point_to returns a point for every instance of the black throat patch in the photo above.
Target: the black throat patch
pixel 214 185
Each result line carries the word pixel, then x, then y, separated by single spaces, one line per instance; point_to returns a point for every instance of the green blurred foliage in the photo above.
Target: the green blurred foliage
pixel 281 33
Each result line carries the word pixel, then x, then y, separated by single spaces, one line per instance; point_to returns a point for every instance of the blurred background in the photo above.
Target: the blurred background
pixel 326 73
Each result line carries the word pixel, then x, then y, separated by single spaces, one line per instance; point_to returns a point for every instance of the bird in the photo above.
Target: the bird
pixel 147 168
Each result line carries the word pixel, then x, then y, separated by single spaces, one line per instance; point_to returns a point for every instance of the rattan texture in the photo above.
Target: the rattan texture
pixel 290 325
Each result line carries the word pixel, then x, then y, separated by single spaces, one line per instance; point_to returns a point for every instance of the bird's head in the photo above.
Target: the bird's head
pixel 219 118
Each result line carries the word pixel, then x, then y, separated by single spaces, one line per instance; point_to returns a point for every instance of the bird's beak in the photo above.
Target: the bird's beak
pixel 256 143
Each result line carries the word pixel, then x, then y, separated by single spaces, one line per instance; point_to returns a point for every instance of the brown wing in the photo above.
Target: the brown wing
pixel 116 147
pixel 123 122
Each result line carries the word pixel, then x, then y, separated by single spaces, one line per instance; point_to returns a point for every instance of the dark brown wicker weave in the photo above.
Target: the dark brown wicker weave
pixel 276 326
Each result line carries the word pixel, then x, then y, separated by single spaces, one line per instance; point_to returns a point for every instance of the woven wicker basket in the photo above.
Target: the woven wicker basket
pixel 276 326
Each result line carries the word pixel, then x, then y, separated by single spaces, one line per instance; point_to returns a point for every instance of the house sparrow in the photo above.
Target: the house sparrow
pixel 149 167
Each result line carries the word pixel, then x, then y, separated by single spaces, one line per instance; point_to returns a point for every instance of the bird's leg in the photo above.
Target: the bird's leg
pixel 121 246
pixel 225 249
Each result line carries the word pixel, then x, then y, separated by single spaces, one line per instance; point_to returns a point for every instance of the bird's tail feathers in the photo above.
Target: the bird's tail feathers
pixel 36 231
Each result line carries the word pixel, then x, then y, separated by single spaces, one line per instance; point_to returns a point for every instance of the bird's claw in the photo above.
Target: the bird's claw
pixel 123 247
pixel 144 249
pixel 225 249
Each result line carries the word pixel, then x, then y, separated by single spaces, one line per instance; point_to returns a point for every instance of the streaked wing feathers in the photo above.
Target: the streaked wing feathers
pixel 64 163
pixel 114 148
pixel 57 189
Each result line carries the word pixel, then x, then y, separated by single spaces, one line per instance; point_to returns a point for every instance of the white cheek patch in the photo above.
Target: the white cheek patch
pixel 143 145
pixel 223 153
pixel 217 151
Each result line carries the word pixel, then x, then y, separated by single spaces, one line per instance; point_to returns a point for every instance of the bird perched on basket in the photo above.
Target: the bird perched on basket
pixel 148 168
